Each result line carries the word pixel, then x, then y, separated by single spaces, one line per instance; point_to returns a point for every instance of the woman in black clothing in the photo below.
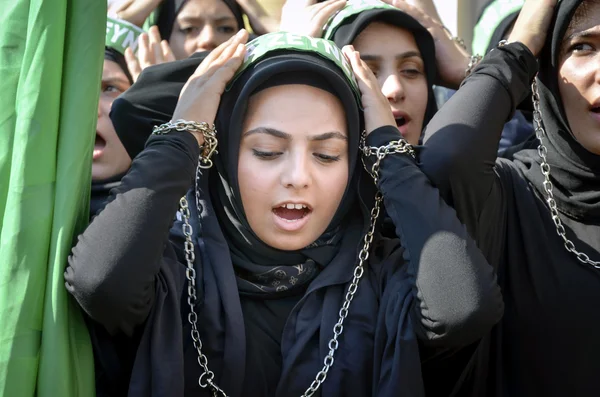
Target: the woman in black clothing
pixel 110 160
pixel 537 217
pixel 278 244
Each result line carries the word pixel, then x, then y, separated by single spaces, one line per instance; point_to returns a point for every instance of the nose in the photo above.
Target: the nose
pixel 205 41
pixel 296 172
pixel 103 106
pixel 392 88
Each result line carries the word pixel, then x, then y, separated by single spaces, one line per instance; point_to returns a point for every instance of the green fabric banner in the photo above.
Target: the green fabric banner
pixel 50 66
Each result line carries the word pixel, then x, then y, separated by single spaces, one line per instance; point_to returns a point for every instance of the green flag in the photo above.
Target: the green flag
pixel 50 66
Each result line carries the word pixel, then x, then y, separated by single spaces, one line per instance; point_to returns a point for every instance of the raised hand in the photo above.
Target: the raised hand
pixel 152 51
pixel 307 17
pixel 201 95
pixel 376 106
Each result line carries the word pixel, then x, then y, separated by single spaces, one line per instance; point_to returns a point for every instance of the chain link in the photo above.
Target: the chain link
pixel 206 379
pixel 548 186
pixel 209 133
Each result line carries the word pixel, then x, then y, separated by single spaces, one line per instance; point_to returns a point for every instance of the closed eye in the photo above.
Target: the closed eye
pixel 266 155
pixel 326 158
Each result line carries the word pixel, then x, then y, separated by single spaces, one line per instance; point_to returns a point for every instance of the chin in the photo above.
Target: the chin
pixel 288 243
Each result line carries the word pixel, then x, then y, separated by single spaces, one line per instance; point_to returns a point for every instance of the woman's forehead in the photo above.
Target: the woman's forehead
pixel 586 17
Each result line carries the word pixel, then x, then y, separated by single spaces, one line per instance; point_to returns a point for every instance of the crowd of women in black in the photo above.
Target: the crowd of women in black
pixel 297 215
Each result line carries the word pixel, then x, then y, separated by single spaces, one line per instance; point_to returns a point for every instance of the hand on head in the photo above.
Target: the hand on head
pixel 376 106
pixel 134 11
pixel 308 17
pixel 452 59
pixel 532 24
pixel 201 95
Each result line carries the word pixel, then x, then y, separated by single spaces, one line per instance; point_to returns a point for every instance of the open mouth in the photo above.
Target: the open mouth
pixel 596 110
pixel 99 146
pixel 292 212
pixel 400 121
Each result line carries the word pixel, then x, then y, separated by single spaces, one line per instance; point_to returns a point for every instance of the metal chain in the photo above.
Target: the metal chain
pixel 206 379
pixel 209 132
pixel 548 186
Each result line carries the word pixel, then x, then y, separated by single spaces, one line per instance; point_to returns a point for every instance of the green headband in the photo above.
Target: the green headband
pixel 352 7
pixel 121 34
pixel 259 47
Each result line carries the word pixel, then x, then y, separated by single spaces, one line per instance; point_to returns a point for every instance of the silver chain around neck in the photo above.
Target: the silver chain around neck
pixel 206 379
pixel 548 186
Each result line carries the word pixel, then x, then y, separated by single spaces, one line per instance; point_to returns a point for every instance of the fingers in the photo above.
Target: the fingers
pixel 166 51
pixel 226 72
pixel 329 9
pixel 145 53
pixel 132 64
pixel 240 38
pixel 155 44
pixel 366 78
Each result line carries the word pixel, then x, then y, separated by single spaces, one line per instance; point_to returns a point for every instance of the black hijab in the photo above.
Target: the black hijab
pixel 101 189
pixel 352 26
pixel 169 10
pixel 259 268
pixel 575 172
pixel 152 100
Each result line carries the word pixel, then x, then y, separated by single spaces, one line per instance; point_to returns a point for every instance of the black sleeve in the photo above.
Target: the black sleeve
pixel 461 141
pixel 112 269
pixel 457 297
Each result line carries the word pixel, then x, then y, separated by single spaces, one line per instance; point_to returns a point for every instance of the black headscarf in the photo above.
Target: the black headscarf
pixel 110 54
pixel 152 100
pixel 259 268
pixel 352 26
pixel 575 172
pixel 101 189
pixel 171 8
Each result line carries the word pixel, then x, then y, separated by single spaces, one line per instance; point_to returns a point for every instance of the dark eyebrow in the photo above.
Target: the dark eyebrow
pixel 192 20
pixel 115 80
pixel 586 34
pixel 408 54
pixel 402 56
pixel 328 135
pixel 283 135
pixel 269 131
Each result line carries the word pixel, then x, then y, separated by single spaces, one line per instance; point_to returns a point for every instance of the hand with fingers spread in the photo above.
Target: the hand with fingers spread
pixel 532 24
pixel 134 11
pixel 151 51
pixel 307 17
pixel 201 95
pixel 376 106
pixel 452 59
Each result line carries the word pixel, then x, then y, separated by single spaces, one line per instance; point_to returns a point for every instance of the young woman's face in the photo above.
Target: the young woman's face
pixel 110 157
pixel 393 56
pixel 579 76
pixel 202 25
pixel 293 164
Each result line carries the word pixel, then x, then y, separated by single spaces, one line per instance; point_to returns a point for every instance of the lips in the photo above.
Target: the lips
pixel 291 211
pixel 99 146
pixel 402 119
pixel 291 217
